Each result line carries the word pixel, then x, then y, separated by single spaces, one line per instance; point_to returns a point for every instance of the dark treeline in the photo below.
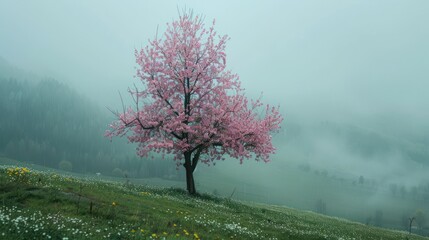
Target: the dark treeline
pixel 50 124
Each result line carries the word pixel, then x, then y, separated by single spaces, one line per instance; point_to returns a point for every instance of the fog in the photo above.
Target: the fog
pixel 351 79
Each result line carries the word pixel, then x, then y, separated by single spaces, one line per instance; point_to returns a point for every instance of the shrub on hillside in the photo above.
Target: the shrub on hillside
pixel 117 172
pixel 65 166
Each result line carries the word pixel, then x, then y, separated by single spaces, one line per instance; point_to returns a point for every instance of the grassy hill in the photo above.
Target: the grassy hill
pixel 43 204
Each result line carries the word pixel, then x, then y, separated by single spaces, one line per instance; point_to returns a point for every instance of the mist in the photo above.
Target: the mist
pixel 350 77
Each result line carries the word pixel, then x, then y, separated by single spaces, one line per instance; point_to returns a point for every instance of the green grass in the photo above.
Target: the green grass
pixel 49 205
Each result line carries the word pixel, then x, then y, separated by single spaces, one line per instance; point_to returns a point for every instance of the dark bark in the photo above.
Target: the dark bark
pixel 411 223
pixel 190 183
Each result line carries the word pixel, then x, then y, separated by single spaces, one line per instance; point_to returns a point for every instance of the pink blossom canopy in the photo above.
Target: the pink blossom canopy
pixel 191 103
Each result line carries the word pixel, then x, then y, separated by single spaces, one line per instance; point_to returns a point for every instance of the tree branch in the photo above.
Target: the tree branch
pixel 196 157
pixel 168 103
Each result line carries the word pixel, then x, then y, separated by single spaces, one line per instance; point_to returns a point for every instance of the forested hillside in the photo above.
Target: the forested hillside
pixel 48 123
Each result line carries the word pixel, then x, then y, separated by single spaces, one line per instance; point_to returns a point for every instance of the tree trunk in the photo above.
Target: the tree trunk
pixel 190 181
pixel 190 184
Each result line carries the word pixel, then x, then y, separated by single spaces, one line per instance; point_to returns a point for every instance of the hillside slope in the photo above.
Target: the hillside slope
pixel 49 205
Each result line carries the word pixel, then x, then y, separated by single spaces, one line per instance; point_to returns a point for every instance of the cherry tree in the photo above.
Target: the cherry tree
pixel 190 105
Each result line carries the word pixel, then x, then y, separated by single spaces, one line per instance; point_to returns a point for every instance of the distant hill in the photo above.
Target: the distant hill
pixel 7 71
pixel 359 141
pixel 369 143
pixel 46 122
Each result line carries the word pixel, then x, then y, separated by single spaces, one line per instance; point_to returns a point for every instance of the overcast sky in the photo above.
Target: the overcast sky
pixel 323 60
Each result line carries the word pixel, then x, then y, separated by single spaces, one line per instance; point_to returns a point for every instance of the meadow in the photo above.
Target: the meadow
pixel 46 204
